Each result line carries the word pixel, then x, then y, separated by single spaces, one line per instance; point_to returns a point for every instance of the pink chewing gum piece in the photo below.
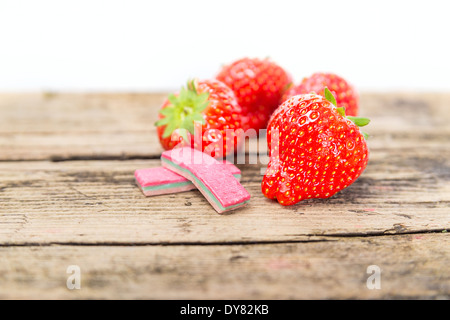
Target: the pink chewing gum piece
pixel 159 180
pixel 215 182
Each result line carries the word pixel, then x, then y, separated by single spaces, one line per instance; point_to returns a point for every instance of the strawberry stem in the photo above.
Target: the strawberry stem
pixel 359 121
pixel 341 111
pixel 183 110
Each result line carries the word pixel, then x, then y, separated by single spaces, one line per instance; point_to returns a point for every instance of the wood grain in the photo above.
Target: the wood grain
pixel 412 267
pixel 67 126
pixel 64 126
pixel 99 202
pixel 68 196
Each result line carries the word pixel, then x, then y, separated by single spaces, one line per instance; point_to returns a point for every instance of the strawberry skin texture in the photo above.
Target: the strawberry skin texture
pixel 223 112
pixel 346 95
pixel 318 151
pixel 259 85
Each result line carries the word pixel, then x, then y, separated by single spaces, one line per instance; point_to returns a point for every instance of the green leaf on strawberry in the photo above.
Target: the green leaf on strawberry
pixel 183 110
pixel 359 121
pixel 202 105
pixel 317 152
pixel 329 96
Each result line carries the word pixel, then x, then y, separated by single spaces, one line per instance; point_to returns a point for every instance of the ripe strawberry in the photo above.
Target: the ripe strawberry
pixel 206 108
pixel 317 151
pixel 258 85
pixel 345 93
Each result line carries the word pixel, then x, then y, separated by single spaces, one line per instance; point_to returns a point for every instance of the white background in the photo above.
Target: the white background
pixel 136 45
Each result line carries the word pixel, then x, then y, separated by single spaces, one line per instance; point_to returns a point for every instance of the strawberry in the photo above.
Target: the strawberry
pixel 315 150
pixel 206 108
pixel 345 93
pixel 258 85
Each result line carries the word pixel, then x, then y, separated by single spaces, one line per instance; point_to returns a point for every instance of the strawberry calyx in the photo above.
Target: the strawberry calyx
pixel 183 110
pixel 359 121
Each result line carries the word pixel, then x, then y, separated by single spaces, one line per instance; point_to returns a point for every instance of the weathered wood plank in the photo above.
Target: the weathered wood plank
pixel 98 202
pixel 46 126
pixel 412 266
pixel 90 213
pixel 67 126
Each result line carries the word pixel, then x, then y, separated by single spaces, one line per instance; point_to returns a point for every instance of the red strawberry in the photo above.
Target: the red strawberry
pixel 345 93
pixel 318 150
pixel 258 85
pixel 210 104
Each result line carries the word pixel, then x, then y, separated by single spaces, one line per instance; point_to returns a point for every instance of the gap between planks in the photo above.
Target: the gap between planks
pixel 323 238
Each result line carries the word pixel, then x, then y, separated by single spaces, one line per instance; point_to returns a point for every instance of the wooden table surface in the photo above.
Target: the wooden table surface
pixel 68 197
